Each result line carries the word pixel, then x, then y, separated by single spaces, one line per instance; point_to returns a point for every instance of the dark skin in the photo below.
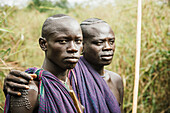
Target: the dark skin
pixel 98 51
pixel 62 50
pixel 99 47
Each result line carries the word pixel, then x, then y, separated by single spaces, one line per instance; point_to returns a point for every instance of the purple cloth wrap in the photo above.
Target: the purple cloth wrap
pixel 92 90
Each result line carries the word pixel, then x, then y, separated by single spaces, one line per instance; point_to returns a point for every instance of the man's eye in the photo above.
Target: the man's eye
pixel 99 43
pixel 111 42
pixel 62 41
pixel 78 41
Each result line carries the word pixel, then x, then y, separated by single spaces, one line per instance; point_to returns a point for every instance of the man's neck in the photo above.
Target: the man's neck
pixel 55 69
pixel 99 69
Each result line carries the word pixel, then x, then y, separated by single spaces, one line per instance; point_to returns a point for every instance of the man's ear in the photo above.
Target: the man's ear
pixel 43 43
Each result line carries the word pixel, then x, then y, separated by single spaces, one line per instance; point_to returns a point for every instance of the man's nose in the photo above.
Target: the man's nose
pixel 72 48
pixel 107 46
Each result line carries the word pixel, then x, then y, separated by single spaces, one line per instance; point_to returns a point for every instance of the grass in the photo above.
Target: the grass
pixel 20 53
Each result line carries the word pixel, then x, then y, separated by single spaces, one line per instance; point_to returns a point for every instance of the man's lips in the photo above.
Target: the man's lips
pixel 71 59
pixel 107 57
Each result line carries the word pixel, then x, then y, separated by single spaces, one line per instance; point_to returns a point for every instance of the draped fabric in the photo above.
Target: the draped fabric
pixel 53 97
pixel 6 106
pixel 92 90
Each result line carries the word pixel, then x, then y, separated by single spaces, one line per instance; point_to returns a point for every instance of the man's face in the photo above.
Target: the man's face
pixel 99 47
pixel 64 44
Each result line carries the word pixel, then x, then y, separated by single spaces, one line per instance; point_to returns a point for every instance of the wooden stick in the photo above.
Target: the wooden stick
pixel 76 103
pixel 137 62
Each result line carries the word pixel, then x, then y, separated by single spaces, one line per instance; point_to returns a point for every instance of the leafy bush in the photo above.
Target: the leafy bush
pixel 60 6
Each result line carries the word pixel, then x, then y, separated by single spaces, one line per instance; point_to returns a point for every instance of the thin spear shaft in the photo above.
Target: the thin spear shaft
pixel 137 61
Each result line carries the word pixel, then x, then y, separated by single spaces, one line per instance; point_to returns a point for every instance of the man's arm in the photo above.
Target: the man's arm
pixel 116 86
pixel 22 90
pixel 121 92
pixel 27 102
pixel 16 80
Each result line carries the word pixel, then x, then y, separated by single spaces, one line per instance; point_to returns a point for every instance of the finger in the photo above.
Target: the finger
pixel 16 79
pixel 16 85
pixel 34 76
pixel 14 93
pixel 21 74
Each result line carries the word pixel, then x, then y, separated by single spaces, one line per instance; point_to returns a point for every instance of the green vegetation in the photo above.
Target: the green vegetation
pixel 19 49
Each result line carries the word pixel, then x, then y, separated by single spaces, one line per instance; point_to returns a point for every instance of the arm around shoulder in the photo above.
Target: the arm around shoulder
pixel 27 102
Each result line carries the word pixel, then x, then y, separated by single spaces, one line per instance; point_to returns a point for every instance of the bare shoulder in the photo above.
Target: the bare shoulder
pixel 114 75
pixel 118 83
pixel 116 78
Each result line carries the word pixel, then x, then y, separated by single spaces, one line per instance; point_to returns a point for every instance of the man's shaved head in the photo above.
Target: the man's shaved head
pixel 61 41
pixel 54 24
pixel 98 42
pixel 91 21
pixel 90 27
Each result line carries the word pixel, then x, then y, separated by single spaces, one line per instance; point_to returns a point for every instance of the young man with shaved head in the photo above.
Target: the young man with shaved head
pixel 98 51
pixel 62 43
pixel 93 79
pixel 86 78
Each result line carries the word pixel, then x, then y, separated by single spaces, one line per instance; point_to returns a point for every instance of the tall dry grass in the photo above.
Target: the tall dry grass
pixel 154 68
pixel 20 30
pixel 19 49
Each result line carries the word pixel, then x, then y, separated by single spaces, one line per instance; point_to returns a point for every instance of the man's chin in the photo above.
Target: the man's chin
pixel 70 66
pixel 106 63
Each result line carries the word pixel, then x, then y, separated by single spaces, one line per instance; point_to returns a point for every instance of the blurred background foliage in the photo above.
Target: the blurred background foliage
pixel 21 28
